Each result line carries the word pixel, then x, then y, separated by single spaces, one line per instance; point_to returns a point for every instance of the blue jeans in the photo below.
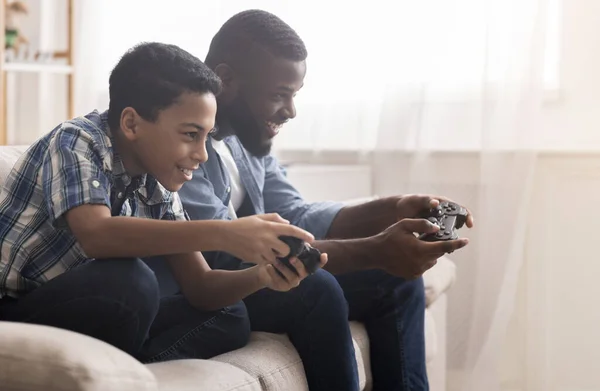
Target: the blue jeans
pixel 118 301
pixel 315 316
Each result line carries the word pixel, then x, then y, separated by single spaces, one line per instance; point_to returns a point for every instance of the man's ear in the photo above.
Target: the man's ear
pixel 229 80
pixel 129 123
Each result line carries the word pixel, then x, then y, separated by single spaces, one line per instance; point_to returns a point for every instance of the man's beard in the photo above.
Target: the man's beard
pixel 252 133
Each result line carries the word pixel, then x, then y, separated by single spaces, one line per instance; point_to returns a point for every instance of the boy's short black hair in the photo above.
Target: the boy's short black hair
pixel 244 32
pixel 151 76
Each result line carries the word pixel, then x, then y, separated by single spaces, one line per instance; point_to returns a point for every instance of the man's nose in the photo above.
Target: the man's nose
pixel 290 110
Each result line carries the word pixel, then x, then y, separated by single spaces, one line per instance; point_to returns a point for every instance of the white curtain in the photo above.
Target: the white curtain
pixel 438 96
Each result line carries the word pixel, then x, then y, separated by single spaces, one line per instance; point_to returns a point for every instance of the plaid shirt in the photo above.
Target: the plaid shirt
pixel 73 165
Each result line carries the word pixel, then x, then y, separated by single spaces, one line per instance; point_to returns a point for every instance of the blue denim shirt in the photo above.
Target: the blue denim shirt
pixel 268 190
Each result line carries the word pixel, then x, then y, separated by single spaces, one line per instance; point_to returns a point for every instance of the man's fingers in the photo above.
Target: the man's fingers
pixel 324 260
pixel 470 220
pixel 421 201
pixel 418 225
pixel 430 264
pixel 446 246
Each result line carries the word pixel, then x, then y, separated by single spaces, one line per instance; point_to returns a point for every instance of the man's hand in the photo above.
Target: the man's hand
pixel 288 279
pixel 414 205
pixel 399 252
pixel 255 238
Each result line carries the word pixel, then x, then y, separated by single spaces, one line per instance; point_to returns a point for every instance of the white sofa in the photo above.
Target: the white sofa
pixel 34 357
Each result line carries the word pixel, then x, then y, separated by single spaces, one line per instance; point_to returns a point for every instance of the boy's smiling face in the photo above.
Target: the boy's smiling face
pixel 262 101
pixel 173 146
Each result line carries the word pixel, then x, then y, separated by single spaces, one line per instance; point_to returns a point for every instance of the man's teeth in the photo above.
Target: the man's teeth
pixel 274 126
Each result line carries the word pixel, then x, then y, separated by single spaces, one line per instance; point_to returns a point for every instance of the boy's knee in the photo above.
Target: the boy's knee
pixel 323 289
pixel 134 282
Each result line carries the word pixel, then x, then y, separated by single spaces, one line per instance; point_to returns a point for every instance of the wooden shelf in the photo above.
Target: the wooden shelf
pixel 66 69
pixel 37 68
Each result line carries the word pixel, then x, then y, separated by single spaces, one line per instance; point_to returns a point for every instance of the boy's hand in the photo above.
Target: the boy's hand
pixel 288 279
pixel 255 239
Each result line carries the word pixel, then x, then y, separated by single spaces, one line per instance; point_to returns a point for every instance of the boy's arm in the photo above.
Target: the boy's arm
pixel 77 191
pixel 208 289
pixel 104 236
pixel 252 239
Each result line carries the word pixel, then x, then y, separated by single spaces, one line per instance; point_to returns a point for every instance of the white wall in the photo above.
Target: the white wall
pixel 573 121
pixel 553 341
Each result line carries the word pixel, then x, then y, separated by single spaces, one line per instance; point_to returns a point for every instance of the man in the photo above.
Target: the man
pixel 95 194
pixel 374 259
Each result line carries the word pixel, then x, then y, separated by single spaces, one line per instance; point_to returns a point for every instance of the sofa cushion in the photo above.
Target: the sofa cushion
pixel 34 357
pixel 272 359
pixel 194 375
pixel 439 279
pixel 8 158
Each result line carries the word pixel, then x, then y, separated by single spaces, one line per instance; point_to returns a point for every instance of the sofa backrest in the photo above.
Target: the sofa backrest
pixel 8 158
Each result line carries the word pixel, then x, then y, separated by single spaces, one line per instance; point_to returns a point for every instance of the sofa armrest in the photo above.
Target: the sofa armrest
pixel 439 279
pixel 34 357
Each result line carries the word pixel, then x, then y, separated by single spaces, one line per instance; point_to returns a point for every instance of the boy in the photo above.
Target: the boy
pixel 375 260
pixel 90 198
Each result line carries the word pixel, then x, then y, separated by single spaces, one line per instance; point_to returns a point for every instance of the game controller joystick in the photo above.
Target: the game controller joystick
pixel 309 256
pixel 449 217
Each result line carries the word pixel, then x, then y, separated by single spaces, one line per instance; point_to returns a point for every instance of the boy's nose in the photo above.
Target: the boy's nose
pixel 200 155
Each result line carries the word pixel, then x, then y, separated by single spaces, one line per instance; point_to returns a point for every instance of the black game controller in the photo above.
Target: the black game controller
pixel 449 217
pixel 309 256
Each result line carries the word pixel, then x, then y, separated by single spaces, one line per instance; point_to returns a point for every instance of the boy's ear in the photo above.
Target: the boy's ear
pixel 229 81
pixel 129 123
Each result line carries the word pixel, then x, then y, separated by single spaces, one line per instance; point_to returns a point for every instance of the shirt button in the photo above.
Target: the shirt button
pixel 228 189
pixel 95 183
pixel 120 195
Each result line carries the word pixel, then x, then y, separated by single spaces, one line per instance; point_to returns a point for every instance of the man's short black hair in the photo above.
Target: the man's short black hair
pixel 151 76
pixel 243 33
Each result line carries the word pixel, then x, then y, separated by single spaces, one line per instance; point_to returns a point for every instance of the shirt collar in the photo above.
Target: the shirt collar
pixel 118 168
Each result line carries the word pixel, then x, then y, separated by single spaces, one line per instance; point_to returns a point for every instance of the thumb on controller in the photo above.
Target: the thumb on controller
pixel 421 226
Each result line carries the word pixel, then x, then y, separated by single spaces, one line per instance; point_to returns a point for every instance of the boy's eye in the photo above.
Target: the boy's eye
pixel 192 135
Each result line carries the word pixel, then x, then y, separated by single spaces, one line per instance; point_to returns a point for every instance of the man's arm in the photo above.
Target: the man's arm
pixel 281 197
pixel 333 224
pixel 364 220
